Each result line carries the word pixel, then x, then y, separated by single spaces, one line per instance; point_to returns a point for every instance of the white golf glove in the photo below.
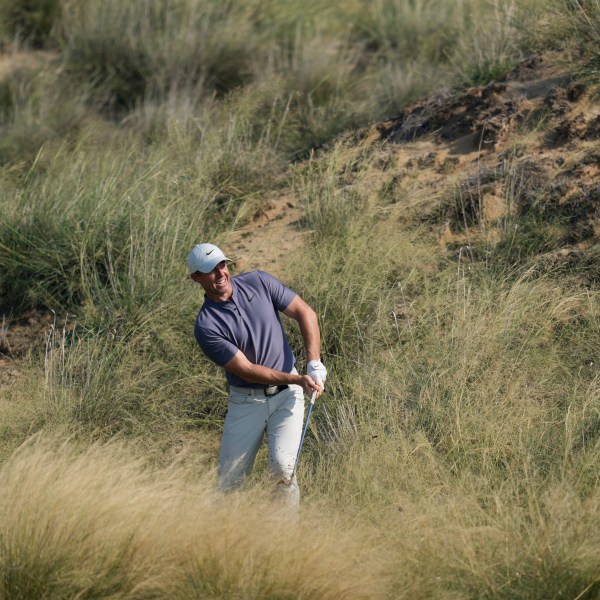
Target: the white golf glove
pixel 316 369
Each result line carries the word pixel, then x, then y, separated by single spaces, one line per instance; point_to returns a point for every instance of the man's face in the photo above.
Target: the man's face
pixel 217 283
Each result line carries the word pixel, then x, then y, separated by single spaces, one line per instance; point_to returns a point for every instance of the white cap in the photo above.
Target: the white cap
pixel 204 258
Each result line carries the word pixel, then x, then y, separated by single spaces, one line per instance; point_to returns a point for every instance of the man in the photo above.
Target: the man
pixel 238 328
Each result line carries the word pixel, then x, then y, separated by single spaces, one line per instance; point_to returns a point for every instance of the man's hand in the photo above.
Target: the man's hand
pixel 316 370
pixel 311 386
pixel 239 365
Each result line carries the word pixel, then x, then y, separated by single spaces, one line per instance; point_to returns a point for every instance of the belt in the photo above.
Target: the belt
pixel 272 390
pixel 269 391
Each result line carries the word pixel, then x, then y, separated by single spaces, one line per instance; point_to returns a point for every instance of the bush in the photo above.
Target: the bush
pixel 37 108
pixel 32 21
pixel 131 50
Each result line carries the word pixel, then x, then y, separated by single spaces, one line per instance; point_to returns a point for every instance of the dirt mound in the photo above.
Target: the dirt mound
pixel 536 125
pixel 486 115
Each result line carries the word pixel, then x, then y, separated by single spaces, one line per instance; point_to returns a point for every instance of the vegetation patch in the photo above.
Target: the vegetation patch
pixel 424 174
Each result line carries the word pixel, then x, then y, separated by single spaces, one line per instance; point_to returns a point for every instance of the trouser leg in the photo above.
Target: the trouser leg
pixel 242 434
pixel 284 430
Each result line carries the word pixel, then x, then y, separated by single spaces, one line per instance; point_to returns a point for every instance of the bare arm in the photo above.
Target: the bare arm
pixel 239 365
pixel 309 326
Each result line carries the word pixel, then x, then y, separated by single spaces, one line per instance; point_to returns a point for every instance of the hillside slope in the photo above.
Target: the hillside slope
pixel 444 161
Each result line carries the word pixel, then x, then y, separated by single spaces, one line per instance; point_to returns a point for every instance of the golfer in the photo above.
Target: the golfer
pixel 239 328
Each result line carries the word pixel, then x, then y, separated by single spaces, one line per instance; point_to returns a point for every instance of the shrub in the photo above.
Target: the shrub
pixel 32 21
pixel 37 108
pixel 130 50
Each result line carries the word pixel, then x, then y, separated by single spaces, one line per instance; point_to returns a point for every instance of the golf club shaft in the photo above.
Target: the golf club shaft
pixel 310 407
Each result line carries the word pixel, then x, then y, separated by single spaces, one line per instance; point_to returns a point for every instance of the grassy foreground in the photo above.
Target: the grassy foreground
pixel 93 524
pixel 457 449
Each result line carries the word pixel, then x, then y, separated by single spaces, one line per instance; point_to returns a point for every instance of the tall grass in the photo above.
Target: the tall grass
pixel 473 437
pixel 460 415
pixel 330 66
pixel 457 442
pixel 37 110
pixel 117 219
pixel 96 523
pixel 131 49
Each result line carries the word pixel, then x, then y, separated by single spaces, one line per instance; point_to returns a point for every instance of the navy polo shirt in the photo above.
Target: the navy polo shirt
pixel 247 321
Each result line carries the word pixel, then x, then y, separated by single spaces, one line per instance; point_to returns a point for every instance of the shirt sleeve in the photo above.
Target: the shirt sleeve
pixel 279 293
pixel 216 347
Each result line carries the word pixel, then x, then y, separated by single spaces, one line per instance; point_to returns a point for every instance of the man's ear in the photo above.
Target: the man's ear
pixel 195 277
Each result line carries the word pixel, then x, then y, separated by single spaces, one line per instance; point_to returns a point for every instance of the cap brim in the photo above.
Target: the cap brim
pixel 212 264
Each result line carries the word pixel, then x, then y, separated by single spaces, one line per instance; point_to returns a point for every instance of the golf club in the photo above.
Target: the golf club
pixel 310 407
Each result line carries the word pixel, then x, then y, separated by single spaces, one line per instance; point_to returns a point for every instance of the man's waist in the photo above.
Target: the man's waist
pixel 261 389
pixel 266 390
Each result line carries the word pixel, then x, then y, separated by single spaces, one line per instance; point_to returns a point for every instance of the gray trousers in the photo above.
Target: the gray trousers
pixel 249 414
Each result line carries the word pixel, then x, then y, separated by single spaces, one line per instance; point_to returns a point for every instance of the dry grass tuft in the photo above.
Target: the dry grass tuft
pixel 97 523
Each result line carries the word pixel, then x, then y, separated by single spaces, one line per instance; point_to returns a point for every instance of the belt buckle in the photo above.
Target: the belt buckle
pixel 272 390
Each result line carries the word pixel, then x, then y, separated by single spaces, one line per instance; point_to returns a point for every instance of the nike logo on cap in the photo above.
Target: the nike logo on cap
pixel 210 252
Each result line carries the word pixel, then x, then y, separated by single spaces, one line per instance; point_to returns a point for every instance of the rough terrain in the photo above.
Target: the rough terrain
pixel 441 161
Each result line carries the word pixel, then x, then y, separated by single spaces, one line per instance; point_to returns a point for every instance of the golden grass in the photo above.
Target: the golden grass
pixel 455 453
pixel 94 522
